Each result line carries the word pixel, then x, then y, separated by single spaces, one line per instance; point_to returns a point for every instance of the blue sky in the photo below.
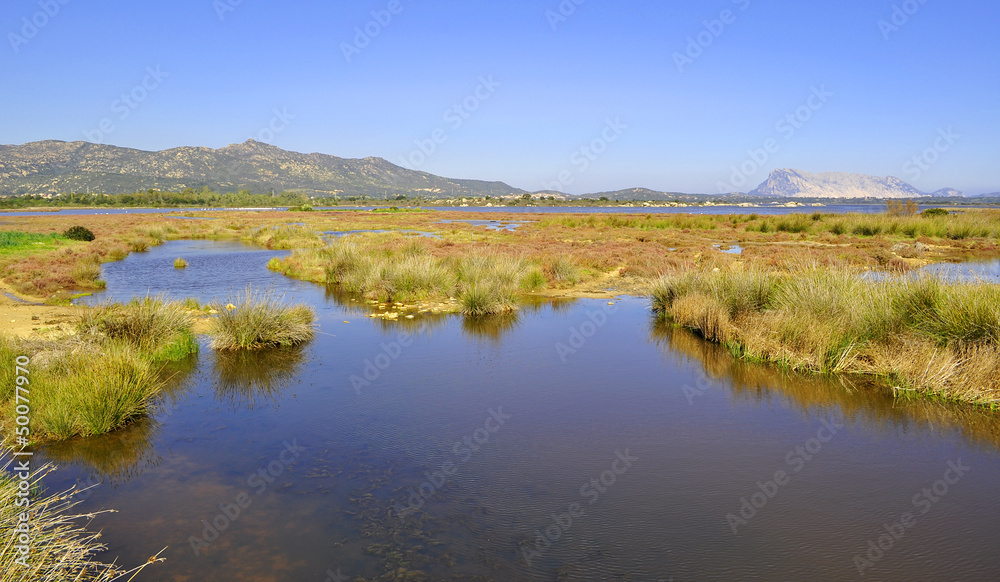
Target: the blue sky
pixel 577 95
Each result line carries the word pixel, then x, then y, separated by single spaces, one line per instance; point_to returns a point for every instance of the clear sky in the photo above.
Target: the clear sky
pixel 577 95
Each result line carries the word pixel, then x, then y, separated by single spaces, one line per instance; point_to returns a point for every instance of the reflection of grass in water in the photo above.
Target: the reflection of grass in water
pixel 246 378
pixel 936 338
pixel 124 453
pixel 489 327
pixel 857 398
pixel 117 456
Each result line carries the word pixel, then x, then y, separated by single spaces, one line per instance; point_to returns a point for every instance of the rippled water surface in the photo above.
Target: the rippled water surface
pixel 574 441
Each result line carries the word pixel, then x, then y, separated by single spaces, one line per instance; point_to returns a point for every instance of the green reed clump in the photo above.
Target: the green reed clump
pixel 90 390
pixel 488 283
pixel 253 319
pixel 61 547
pixel 155 326
pixel 564 270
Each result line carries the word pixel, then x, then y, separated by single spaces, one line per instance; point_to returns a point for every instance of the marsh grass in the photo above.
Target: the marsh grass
pixel 919 333
pixel 564 270
pixel 180 263
pixel 87 271
pixel 92 390
pixel 12 240
pixel 485 282
pixel 260 320
pixel 61 547
pixel 153 325
pixel 283 237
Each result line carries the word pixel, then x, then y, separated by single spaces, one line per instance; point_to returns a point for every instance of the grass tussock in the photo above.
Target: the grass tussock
pixel 104 376
pixel 260 320
pixel 180 263
pixel 91 390
pixel 61 547
pixel 916 333
pixel 485 282
pixel 160 328
pixel 283 237
pixel 81 388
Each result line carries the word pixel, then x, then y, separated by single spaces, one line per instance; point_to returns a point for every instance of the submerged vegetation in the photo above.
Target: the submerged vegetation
pixel 61 548
pixel 914 333
pixel 256 319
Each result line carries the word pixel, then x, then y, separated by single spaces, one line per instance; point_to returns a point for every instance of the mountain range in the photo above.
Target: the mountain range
pixel 53 167
pixel 787 183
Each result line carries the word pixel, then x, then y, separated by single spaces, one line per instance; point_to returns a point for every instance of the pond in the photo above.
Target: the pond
pixel 576 440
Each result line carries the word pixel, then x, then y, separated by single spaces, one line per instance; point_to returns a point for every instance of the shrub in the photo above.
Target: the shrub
pixel 79 233
pixel 897 208
pixel 258 321
pixel 935 212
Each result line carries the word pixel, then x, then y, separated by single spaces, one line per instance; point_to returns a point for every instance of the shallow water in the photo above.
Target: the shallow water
pixel 507 225
pixel 986 271
pixel 327 445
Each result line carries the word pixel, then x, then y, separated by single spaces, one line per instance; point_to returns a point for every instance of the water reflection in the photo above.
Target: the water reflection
pixel 115 457
pixel 127 452
pixel 247 379
pixel 490 327
pixel 859 400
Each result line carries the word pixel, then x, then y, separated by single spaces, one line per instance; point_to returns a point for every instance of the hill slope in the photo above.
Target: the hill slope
pixel 798 184
pixel 52 167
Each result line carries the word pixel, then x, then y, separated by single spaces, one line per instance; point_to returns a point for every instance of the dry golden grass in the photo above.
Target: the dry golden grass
pixel 917 334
